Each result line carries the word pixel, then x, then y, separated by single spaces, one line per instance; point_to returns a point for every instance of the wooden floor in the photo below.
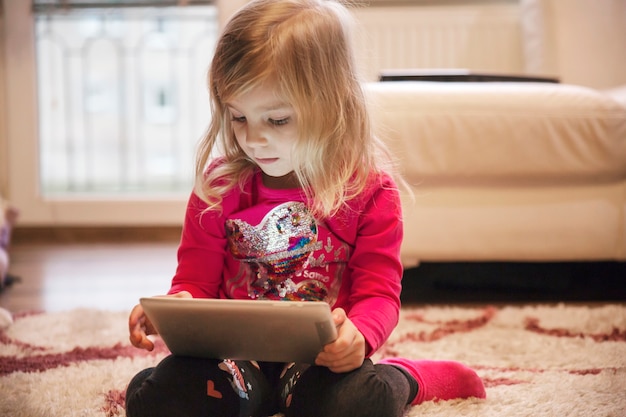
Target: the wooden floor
pixel 54 277
pixel 111 275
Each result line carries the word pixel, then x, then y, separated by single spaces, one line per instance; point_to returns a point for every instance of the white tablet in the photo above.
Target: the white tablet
pixel 262 330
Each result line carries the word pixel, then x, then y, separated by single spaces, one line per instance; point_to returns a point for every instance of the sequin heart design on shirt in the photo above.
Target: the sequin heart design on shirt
pixel 276 249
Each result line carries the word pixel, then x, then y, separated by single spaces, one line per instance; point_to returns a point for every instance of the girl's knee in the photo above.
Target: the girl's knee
pixel 137 393
pixel 181 386
pixel 177 386
pixel 361 393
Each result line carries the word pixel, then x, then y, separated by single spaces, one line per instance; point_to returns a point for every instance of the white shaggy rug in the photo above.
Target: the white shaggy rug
pixel 535 361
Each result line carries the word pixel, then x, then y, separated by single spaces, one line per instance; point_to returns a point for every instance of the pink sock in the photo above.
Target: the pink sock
pixel 441 380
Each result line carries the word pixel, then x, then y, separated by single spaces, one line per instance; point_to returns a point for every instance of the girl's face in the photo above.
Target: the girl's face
pixel 266 127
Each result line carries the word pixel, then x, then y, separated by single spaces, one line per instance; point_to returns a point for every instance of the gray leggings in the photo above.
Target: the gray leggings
pixel 192 387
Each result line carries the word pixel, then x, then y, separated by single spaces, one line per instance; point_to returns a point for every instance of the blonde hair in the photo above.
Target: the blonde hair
pixel 303 47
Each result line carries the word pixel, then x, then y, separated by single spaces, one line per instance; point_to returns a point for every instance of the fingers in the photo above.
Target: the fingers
pixel 342 361
pixel 139 328
pixel 339 317
pixel 348 351
pixel 341 365
pixel 182 294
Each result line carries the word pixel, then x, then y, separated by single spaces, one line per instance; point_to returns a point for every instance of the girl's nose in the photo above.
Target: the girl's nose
pixel 255 136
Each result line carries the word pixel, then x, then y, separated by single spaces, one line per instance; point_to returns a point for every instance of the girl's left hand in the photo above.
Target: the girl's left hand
pixel 347 352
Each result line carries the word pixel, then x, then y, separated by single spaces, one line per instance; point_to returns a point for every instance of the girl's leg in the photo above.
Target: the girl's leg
pixel 181 386
pixel 370 391
pixel 384 389
pixel 440 380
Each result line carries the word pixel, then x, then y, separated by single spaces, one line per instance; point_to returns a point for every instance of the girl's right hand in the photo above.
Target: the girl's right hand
pixel 140 326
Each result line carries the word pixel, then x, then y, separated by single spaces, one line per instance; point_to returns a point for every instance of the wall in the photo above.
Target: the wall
pixel 583 42
pixel 227 8
pixel 484 36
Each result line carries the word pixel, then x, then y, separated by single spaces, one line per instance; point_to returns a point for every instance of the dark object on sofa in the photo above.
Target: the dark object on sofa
pixel 458 75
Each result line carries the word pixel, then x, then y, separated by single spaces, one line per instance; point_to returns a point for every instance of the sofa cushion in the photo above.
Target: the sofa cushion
pixel 500 133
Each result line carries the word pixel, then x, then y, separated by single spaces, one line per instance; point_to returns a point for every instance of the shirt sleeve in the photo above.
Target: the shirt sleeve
pixel 201 252
pixel 375 267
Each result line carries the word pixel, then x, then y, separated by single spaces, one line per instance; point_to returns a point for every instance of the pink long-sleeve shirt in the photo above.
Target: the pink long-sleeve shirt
pixel 265 244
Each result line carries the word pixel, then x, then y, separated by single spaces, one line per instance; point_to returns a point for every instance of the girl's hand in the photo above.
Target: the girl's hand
pixel 347 352
pixel 140 327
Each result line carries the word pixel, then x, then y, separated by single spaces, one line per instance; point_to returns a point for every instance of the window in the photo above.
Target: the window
pixel 103 107
pixel 120 98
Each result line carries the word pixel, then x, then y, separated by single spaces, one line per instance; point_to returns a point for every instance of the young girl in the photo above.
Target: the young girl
pixel 300 206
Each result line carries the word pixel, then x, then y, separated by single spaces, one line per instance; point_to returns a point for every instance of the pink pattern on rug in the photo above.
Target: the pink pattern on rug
pixel 6 340
pixel 617 335
pixel 589 371
pixel 584 372
pixel 114 403
pixel 494 382
pixel 508 369
pixel 443 329
pixel 40 363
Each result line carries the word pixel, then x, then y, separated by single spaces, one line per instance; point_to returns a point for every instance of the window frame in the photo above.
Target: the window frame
pixel 21 163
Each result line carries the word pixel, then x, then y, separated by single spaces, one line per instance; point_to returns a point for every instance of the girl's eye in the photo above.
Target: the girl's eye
pixel 279 122
pixel 239 119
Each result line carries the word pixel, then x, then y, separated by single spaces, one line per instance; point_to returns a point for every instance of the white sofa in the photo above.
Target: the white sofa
pixel 519 171
pixel 507 171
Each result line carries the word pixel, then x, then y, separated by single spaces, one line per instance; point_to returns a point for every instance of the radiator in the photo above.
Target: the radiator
pixel 481 37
